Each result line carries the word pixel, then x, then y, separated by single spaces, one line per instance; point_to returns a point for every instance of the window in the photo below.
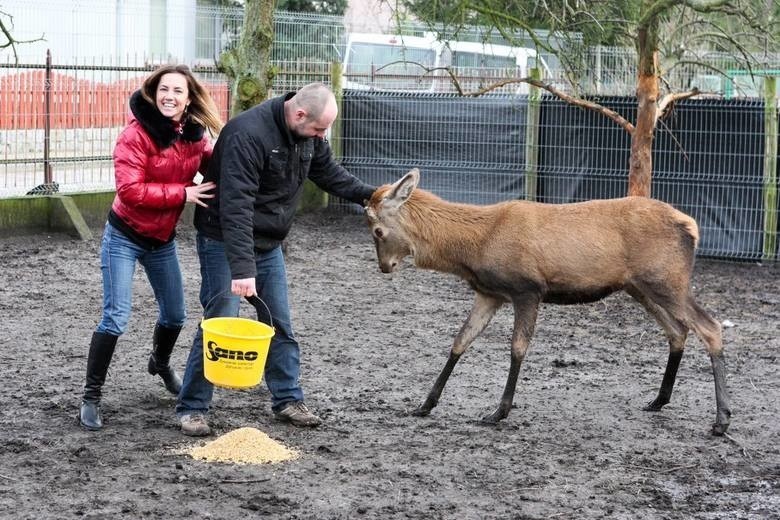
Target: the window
pixel 367 54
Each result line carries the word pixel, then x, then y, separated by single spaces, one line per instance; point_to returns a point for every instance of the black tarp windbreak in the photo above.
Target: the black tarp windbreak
pixel 707 162
pixel 467 149
pixel 708 155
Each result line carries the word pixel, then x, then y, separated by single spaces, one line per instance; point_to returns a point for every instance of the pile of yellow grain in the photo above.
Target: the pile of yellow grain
pixel 244 446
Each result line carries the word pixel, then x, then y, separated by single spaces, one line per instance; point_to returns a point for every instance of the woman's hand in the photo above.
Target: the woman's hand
pixel 199 192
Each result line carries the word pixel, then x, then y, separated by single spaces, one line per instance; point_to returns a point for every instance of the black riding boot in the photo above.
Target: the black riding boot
pixel 101 349
pixel 164 340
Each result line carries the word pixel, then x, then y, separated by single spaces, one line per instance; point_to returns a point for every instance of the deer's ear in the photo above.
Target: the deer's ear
pixel 402 189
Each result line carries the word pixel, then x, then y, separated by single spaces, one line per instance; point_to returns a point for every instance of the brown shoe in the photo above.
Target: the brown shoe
pixel 298 415
pixel 194 425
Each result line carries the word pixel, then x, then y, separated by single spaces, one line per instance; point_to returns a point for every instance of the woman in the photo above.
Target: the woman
pixel 157 155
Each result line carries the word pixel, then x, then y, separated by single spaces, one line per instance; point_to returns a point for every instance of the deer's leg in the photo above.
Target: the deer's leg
pixel 676 333
pixel 710 333
pixel 482 312
pixel 723 411
pixel 526 311
pixel 667 384
pixel 683 309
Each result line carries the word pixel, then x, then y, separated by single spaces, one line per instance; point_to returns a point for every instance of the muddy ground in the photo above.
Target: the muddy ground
pixel 577 445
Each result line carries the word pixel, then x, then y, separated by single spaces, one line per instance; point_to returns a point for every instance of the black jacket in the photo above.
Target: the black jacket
pixel 259 168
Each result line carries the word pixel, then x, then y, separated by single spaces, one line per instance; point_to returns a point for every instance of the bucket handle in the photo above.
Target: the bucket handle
pixel 254 300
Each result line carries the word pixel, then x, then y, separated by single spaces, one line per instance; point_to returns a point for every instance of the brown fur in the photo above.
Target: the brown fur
pixel 560 248
pixel 526 253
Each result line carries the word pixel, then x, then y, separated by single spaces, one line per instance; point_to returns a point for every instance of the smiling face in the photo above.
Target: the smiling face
pixel 173 96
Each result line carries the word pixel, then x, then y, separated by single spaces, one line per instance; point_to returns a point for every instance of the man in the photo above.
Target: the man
pixel 260 161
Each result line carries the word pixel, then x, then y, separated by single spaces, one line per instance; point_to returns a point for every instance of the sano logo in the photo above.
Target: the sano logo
pixel 214 353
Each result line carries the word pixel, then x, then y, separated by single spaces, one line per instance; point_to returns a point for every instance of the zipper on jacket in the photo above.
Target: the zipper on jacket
pixel 298 169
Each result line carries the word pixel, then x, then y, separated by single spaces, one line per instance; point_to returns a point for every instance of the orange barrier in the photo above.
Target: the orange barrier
pixel 74 103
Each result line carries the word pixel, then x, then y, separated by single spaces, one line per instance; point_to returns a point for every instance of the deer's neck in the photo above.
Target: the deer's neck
pixel 448 236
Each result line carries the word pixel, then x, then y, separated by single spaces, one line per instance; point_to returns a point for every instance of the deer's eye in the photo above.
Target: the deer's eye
pixel 379 233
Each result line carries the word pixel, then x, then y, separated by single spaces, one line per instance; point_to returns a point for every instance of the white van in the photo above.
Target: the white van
pixel 392 62
pixel 482 64
pixel 388 61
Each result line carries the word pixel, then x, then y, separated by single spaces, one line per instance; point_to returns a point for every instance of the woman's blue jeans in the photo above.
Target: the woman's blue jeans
pixel 118 256
pixel 282 367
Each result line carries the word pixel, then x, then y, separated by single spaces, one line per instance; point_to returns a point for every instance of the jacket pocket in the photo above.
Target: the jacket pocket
pixel 275 178
pixel 277 164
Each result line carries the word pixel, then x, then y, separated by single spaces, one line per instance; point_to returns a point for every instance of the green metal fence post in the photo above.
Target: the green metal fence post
pixel 532 136
pixel 770 167
pixel 336 81
pixel 314 198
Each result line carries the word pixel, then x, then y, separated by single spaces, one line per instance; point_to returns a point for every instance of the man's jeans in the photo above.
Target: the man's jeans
pixel 118 256
pixel 283 364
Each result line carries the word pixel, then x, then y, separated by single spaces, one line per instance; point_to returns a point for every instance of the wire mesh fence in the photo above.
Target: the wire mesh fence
pixel 708 160
pixel 63 119
pixel 468 149
pixel 708 156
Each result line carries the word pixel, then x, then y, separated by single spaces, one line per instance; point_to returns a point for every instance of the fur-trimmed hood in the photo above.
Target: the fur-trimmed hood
pixel 161 129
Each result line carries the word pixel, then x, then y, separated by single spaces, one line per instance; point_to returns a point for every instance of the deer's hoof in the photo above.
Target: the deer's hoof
pixel 421 411
pixel 719 429
pixel 655 405
pixel 492 419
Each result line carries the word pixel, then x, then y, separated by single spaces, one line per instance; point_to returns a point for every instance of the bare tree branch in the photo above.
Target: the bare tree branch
pixel 503 19
pixel 673 98
pixel 700 64
pixel 10 40
pixel 582 103
pixel 663 33
pixel 662 6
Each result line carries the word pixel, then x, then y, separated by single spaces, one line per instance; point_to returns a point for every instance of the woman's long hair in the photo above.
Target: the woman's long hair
pixel 201 109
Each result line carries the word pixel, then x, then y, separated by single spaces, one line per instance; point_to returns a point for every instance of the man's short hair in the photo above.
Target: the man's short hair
pixel 313 98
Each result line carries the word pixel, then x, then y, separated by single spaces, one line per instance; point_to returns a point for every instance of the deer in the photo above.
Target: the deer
pixel 526 253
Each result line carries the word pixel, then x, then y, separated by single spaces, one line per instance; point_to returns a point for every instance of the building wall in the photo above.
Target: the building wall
pixel 371 16
pixel 83 29
pixel 131 32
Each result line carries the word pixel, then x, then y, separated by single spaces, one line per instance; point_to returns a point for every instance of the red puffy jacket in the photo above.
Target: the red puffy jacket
pixel 152 166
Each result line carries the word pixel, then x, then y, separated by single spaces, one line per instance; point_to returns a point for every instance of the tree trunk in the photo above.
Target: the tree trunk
pixel 640 172
pixel 248 66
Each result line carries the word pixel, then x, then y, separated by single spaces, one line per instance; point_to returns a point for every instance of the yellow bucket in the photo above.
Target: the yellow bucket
pixel 235 351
